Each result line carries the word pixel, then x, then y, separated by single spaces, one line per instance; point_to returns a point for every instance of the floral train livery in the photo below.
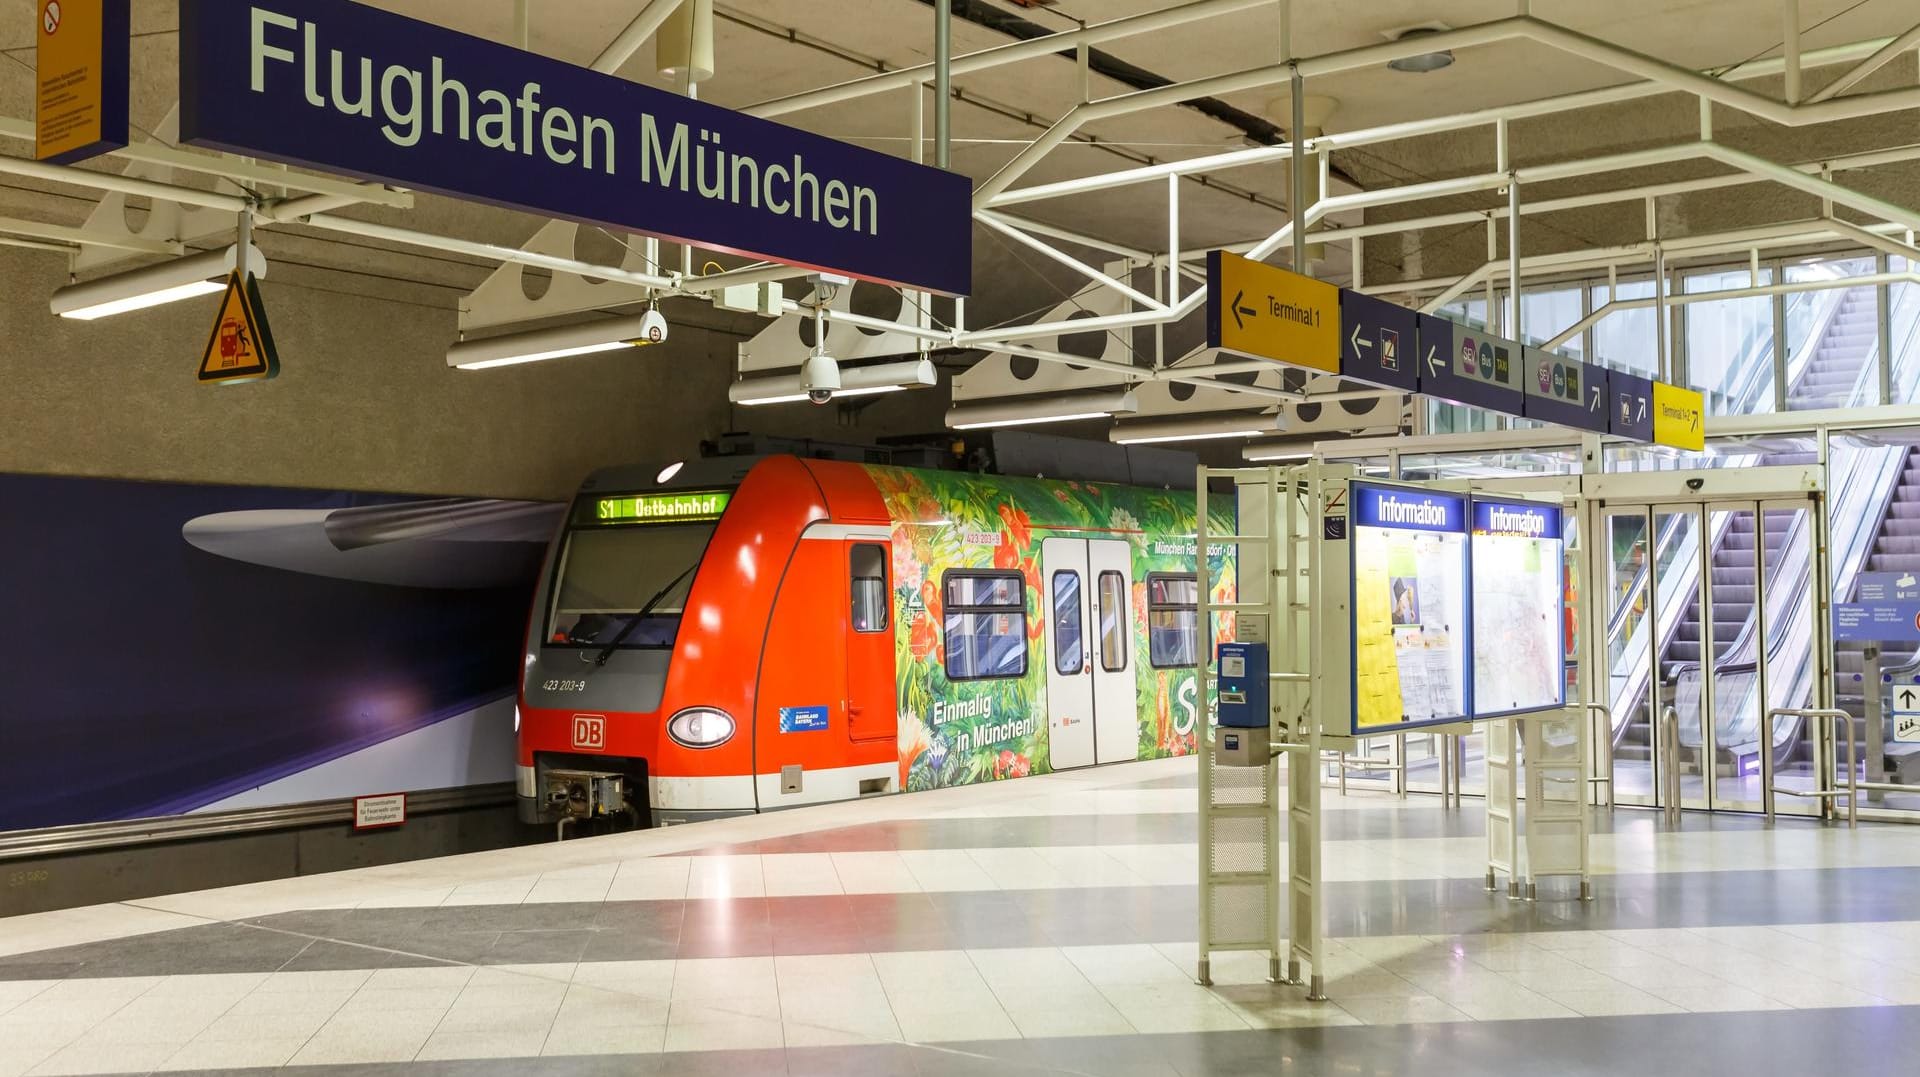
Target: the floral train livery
pixel 742 636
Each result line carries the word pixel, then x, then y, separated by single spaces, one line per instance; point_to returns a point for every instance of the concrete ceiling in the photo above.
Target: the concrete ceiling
pixel 770 48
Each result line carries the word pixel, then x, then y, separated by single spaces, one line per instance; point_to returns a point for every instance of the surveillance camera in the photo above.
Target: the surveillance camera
pixel 1695 484
pixel 820 378
pixel 653 330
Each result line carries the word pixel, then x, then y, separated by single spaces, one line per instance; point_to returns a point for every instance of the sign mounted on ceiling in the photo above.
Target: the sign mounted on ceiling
pixel 338 86
pixel 240 348
pixel 1272 313
pixel 1679 417
pixel 80 65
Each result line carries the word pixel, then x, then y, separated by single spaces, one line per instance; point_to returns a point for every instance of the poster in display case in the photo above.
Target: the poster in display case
pixel 1410 607
pixel 1517 597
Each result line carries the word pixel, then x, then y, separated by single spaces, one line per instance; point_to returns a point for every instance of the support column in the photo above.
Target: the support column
pixel 942 82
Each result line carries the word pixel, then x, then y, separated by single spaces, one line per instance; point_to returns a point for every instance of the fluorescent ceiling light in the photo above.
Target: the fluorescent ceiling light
pixel 1275 452
pixel 854 381
pixel 1206 428
pixel 151 286
pixel 558 342
pixel 1018 411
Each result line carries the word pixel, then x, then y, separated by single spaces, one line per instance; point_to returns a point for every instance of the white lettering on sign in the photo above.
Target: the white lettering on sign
pixel 410 104
pixel 372 813
pixel 1506 521
pixel 590 732
pixel 1395 511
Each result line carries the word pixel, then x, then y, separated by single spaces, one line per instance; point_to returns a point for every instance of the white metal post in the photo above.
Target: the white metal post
pixel 1298 199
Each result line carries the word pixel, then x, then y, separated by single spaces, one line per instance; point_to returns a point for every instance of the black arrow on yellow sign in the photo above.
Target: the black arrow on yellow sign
pixel 1238 310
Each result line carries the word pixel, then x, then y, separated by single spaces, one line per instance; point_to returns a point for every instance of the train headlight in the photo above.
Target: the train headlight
pixel 700 727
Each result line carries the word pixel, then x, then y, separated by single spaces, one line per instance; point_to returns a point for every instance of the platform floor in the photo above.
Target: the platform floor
pixel 1033 927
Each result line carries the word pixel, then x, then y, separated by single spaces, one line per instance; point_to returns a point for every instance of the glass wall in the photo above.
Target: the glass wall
pixel 1904 342
pixel 1627 339
pixel 1729 352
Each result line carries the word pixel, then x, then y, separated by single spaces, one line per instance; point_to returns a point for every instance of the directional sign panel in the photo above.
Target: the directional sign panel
pixel 1272 313
pixel 1906 712
pixel 1467 366
pixel 1631 415
pixel 1565 391
pixel 1378 342
pixel 1679 417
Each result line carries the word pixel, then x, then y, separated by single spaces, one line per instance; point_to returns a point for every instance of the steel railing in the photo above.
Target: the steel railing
pixel 1826 719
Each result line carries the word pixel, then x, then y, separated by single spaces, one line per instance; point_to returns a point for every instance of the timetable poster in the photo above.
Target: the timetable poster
pixel 1519 590
pixel 1409 606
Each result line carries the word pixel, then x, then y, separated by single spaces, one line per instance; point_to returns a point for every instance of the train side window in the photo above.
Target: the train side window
pixel 985 625
pixel 1069 649
pixel 869 572
pixel 1173 620
pixel 1113 622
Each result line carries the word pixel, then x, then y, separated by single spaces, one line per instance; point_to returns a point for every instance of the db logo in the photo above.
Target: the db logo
pixel 590 732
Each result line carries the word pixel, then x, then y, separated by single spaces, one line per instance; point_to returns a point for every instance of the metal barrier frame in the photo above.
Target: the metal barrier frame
pixel 1827 718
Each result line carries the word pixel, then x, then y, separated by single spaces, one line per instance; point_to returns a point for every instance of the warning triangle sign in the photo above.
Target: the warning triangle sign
pixel 241 346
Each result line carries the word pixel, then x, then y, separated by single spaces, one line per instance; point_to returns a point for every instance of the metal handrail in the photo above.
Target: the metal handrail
pixel 1603 741
pixel 1668 738
pixel 1831 717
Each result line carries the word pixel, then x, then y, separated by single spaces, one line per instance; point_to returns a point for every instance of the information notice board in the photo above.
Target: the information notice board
pixel 1519 646
pixel 1409 600
pixel 1458 607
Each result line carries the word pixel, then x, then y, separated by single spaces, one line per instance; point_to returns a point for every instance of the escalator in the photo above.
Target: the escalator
pixel 1847 346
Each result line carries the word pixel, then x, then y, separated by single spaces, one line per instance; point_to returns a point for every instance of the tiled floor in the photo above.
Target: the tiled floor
pixel 1037 926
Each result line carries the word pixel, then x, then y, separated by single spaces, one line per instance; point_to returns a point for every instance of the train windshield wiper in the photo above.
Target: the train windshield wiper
pixel 640 614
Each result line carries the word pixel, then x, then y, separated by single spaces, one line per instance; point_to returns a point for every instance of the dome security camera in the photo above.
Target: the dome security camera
pixel 820 378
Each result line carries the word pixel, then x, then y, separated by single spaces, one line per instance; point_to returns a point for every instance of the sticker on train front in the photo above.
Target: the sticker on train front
pixel 590 732
pixel 802 719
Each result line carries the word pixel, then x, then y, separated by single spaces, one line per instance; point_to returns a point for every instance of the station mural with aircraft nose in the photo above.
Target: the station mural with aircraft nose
pixel 174 648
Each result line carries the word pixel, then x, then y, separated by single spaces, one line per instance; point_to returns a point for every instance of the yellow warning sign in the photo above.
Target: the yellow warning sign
pixel 241 346
pixel 81 66
pixel 1679 417
pixel 1272 313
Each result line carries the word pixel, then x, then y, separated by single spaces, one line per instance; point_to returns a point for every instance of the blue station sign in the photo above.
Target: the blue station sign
pixel 1631 413
pixel 1470 366
pixel 342 87
pixel 1525 519
pixel 1407 509
pixel 1379 342
pixel 1565 391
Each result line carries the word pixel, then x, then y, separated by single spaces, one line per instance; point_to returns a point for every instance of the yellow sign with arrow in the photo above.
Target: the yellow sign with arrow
pixel 1272 313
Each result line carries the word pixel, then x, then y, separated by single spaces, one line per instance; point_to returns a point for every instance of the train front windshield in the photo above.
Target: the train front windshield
pixel 608 575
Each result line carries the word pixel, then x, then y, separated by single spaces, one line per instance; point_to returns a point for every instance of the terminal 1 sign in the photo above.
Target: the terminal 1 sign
pixel 1272 313
pixel 346 88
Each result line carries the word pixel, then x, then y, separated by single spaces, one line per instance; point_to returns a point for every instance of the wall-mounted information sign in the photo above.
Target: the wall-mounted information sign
pixel 346 88
pixel 1409 601
pixel 1519 646
pixel 661 508
pixel 81 67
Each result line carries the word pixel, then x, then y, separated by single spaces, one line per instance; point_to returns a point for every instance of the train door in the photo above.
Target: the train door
pixel 1091 710
pixel 1116 713
pixel 1063 564
pixel 871 692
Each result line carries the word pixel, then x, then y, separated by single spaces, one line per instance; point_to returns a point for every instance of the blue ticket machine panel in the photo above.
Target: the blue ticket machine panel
pixel 1242 739
pixel 1243 686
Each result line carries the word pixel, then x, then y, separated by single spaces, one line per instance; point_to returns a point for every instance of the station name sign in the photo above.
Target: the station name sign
pixel 341 87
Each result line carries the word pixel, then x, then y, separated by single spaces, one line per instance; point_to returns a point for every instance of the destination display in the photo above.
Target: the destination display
pixel 661 508
pixel 1409 601
pixel 1519 645
pixel 346 88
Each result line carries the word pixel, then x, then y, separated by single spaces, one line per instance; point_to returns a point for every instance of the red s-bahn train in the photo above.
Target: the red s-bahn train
pixel 741 634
